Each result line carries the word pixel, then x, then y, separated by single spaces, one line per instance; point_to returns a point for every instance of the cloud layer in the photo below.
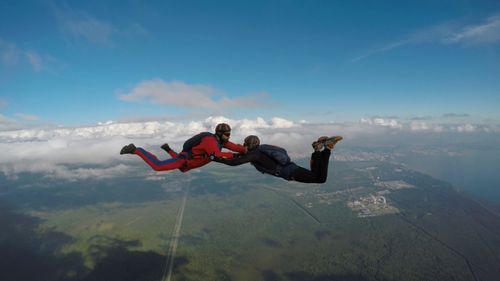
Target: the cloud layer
pixel 85 153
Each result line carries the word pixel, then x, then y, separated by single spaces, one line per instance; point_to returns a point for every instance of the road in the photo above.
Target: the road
pixel 169 264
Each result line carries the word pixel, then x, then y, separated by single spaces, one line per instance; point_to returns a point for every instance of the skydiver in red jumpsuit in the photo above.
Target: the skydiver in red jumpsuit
pixel 197 151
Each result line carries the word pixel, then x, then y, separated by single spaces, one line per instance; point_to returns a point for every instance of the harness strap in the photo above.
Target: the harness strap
pixel 189 155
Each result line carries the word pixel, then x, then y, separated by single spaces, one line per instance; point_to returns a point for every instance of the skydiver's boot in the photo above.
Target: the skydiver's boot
pixel 128 149
pixel 332 141
pixel 166 147
pixel 319 144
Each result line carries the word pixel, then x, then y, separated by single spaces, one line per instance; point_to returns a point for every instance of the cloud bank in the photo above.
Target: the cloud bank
pixel 86 153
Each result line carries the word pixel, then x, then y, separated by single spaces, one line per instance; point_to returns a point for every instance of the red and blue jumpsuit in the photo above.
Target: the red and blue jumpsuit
pixel 199 156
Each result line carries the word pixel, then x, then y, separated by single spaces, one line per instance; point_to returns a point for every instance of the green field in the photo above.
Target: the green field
pixel 241 225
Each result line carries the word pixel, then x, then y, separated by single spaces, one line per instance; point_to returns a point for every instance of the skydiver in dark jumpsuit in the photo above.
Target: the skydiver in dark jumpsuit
pixel 274 160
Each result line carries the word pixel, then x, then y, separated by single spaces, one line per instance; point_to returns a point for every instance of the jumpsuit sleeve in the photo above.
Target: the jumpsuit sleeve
pixel 244 158
pixel 211 148
pixel 235 147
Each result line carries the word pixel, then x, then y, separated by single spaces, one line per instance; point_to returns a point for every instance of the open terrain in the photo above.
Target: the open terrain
pixel 372 220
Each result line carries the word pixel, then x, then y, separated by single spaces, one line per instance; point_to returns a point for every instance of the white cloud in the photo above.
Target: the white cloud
pixel 281 123
pixel 469 128
pixel 62 172
pixel 381 49
pixel 143 130
pixel 35 60
pixel 53 151
pixel 484 33
pixel 487 32
pixel 17 122
pixel 61 152
pixel 420 118
pixel 456 115
pixel 419 126
pixel 109 122
pixel 392 123
pixel 7 123
pixel 427 126
pixel 28 117
pixel 89 28
pixel 178 93
pixel 3 119
pixel 175 93
pixel 78 24
pixel 9 52
pixel 11 55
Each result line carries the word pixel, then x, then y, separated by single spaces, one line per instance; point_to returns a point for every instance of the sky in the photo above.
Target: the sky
pixel 78 63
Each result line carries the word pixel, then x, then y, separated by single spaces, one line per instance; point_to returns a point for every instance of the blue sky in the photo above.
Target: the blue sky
pixel 83 62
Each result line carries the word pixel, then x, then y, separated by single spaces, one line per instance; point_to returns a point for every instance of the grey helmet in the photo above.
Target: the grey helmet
pixel 252 142
pixel 222 129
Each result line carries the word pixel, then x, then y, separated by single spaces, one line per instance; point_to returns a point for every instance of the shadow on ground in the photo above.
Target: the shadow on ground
pixel 27 254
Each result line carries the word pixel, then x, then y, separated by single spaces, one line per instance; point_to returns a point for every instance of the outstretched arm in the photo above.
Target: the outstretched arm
pixel 236 161
pixel 235 147
pixel 212 148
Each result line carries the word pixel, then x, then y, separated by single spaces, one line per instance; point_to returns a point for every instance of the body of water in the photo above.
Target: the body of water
pixel 476 172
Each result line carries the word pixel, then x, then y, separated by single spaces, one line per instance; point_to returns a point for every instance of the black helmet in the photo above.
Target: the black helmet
pixel 252 142
pixel 222 129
